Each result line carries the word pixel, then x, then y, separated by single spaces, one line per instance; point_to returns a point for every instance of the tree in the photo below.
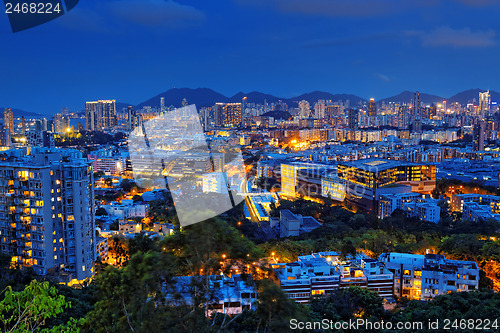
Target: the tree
pixel 98 174
pixel 101 212
pixel 347 249
pixel 132 299
pixel 128 185
pixel 137 198
pixel 28 310
pixel 109 182
pixel 140 243
pixel 459 306
pixel 350 303
pixel 118 250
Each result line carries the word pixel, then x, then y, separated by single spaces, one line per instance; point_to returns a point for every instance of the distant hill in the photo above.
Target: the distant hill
pixel 469 96
pixel 120 105
pixel 21 113
pixel 256 97
pixel 284 115
pixel 407 97
pixel 201 97
pixel 205 97
pixel 314 96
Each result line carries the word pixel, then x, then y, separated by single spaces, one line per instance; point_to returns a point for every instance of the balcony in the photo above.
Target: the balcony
pixel 353 280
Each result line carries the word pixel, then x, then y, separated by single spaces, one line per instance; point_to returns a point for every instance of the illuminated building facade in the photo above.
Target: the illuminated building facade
pixel 227 114
pixel 479 135
pixel 324 272
pixel 423 277
pixel 412 204
pixel 372 108
pixel 305 109
pixel 303 179
pixel 61 123
pixel 493 201
pixel 215 182
pixel 134 120
pixel 484 103
pixel 47 213
pixel 100 115
pixel 333 187
pixel 5 139
pixel 353 119
pixel 8 118
pixel 365 177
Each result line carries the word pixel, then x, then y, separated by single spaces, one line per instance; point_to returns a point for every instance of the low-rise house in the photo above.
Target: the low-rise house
pixel 294 225
pixel 163 228
pixel 127 209
pixel 130 227
pixel 413 204
pixel 230 295
pixel 102 248
pixel 323 272
pixel 424 277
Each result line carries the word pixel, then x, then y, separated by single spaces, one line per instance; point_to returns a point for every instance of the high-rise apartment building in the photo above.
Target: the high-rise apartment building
pixel 61 123
pixel 100 115
pixel 416 106
pixel 162 104
pixel 319 109
pixel 8 117
pixel 305 109
pixel 47 213
pixel 227 114
pixel 372 108
pixel 353 119
pixel 24 126
pixel 5 137
pixel 479 135
pixel 484 103
pixel 433 111
pixel 403 116
pixel 134 120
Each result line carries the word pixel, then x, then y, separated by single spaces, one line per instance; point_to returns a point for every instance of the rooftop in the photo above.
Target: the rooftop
pixel 375 164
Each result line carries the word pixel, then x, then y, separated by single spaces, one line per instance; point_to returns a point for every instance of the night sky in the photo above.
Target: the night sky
pixel 131 50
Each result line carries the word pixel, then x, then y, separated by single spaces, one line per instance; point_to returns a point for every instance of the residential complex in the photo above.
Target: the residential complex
pixel 231 294
pixel 477 207
pixel 100 115
pixel 322 273
pixel 47 212
pixel 421 277
pixel 411 203
pixel 424 277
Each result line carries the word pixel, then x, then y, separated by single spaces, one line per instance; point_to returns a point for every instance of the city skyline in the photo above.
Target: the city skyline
pixel 283 48
pixel 259 97
pixel 250 165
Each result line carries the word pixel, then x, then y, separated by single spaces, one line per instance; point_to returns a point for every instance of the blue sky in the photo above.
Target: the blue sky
pixel 131 50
